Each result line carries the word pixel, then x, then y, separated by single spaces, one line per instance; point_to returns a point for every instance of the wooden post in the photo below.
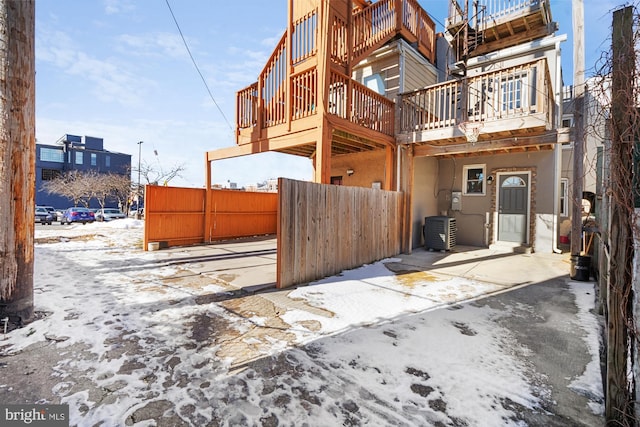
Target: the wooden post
pixel 388 168
pixel 578 123
pixel 619 401
pixel 323 154
pixel 207 200
pixel 322 159
pixel 289 66
pixel 17 158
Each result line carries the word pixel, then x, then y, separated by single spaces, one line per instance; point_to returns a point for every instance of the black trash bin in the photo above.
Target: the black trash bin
pixel 580 268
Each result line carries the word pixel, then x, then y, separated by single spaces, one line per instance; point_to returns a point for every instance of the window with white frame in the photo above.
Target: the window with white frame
pixel 473 179
pixel 94 159
pixel 514 93
pixel 564 197
pixel 79 157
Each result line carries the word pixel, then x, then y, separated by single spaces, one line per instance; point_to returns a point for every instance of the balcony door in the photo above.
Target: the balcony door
pixel 513 207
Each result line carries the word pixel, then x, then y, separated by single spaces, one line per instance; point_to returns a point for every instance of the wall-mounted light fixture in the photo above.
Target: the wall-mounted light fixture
pixel 349 172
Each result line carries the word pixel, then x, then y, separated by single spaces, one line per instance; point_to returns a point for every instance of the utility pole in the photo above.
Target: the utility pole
pixel 621 343
pixel 138 188
pixel 578 126
pixel 17 158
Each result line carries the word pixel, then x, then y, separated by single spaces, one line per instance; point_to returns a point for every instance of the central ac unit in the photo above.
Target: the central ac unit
pixel 439 233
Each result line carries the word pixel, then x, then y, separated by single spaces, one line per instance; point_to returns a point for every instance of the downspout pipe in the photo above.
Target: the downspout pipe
pixel 557 151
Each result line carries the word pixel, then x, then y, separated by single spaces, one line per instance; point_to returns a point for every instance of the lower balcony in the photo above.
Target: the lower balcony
pixel 498 105
pixel 284 118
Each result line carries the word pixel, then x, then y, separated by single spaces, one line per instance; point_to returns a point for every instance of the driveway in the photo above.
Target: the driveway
pixel 199 336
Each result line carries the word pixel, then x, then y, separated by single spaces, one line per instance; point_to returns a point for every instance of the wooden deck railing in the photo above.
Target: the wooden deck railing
pixel 433 107
pixel 303 39
pixel 247 106
pixel 368 108
pixel 348 99
pixel 374 24
pixel 271 82
pixel 339 42
pixel 277 97
pixel 509 93
pixel 304 93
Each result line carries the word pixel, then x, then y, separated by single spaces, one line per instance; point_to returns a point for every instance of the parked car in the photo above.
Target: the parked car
pixel 58 215
pixel 133 212
pixel 51 210
pixel 76 214
pixel 43 216
pixel 108 214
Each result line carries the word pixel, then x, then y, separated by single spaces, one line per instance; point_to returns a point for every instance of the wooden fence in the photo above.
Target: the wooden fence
pixel 325 229
pixel 242 214
pixel 175 216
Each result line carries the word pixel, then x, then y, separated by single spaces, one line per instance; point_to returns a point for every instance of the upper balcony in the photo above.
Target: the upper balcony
pixel 497 106
pixel 288 97
pixel 497 24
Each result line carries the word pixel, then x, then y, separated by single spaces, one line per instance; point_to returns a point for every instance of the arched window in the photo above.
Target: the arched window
pixel 514 181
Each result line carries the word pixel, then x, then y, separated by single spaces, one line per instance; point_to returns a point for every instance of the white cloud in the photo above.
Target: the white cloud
pixel 156 45
pixel 112 7
pixel 108 79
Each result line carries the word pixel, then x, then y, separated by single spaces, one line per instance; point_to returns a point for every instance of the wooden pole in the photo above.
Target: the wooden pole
pixel 17 158
pixel 618 401
pixel 578 124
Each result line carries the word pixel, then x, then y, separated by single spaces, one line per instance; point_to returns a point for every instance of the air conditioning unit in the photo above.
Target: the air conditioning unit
pixel 439 233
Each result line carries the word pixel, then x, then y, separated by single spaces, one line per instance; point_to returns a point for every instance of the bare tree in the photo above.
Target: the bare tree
pixel 111 186
pixel 120 189
pixel 17 158
pixel 82 187
pixel 98 186
pixel 73 185
pixel 156 175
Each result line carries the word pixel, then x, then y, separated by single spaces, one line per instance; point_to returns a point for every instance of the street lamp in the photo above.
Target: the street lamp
pixel 138 191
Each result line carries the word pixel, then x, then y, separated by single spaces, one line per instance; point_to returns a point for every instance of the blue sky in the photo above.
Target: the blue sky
pixel 118 69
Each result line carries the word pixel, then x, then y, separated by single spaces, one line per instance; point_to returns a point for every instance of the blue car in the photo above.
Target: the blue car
pixel 82 215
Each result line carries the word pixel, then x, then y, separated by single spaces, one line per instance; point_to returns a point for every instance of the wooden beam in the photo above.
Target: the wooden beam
pixel 506 144
pixel 263 145
pixel 511 41
pixel 388 169
pixel 358 130
pixel 322 173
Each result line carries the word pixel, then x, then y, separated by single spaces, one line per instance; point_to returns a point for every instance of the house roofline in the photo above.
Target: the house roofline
pixel 515 51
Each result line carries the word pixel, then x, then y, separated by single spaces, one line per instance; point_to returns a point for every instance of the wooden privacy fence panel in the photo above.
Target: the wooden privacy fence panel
pixel 242 214
pixel 175 216
pixel 325 229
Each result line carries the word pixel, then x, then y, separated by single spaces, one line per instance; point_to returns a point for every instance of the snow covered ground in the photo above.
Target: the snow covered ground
pixel 137 346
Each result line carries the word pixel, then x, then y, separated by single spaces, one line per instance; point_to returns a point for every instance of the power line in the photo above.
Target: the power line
pixel 196 65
